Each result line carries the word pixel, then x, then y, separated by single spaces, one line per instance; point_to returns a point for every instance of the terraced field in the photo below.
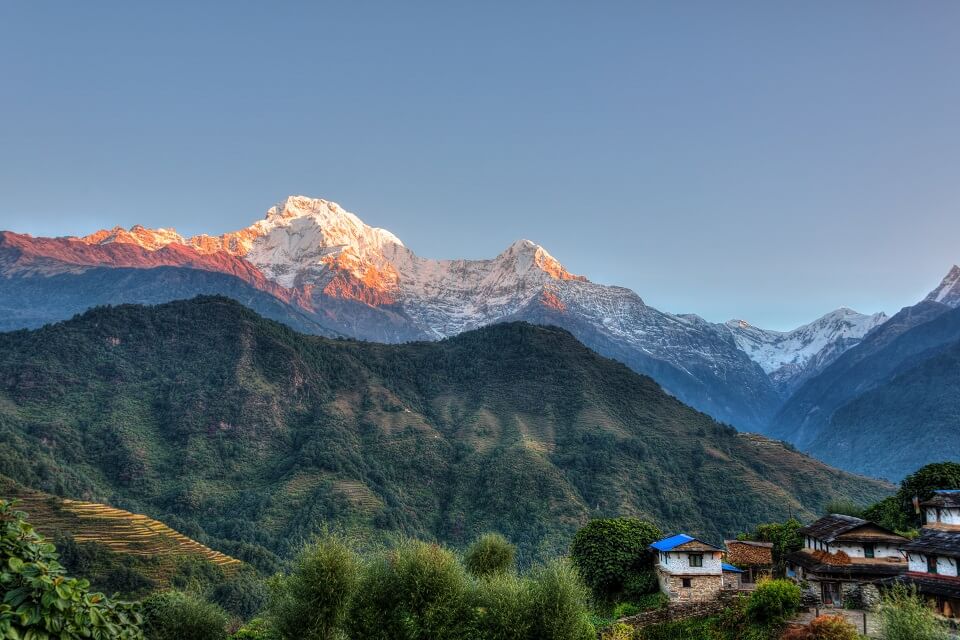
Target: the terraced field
pixel 120 531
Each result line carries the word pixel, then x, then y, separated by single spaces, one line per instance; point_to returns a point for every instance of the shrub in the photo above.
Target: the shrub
pixel 175 615
pixel 257 629
pixel 640 584
pixel 831 628
pixel 606 552
pixel 489 555
pixel 558 609
pixel 905 616
pixel 312 601
pixel 773 602
pixel 503 605
pixel 39 600
pixel 417 590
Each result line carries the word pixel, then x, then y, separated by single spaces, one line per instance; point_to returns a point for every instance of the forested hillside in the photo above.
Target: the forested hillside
pixel 243 434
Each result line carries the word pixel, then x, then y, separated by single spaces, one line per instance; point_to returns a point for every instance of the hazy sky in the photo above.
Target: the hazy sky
pixel 765 160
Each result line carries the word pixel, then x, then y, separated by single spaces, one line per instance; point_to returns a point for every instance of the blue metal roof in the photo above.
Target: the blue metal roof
pixel 673 541
pixel 947 491
pixel 730 567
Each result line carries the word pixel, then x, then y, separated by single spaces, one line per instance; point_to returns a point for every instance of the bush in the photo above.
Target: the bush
pixel 558 608
pixel 174 615
pixel 640 584
pixel 257 629
pixel 905 616
pixel 491 554
pixel 831 628
pixel 607 552
pixel 39 600
pixel 503 605
pixel 773 602
pixel 418 590
pixel 312 601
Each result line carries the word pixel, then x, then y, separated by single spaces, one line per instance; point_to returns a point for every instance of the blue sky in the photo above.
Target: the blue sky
pixel 763 160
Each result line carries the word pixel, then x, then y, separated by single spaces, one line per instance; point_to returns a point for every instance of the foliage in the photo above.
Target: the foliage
pixel 924 481
pixel 312 601
pixel 490 554
pixel 844 507
pixel 243 595
pixel 647 602
pixel 786 539
pixel 640 584
pixel 890 513
pixel 257 629
pixel 175 615
pixel 773 602
pixel 249 438
pixel 905 616
pixel 558 605
pixel 40 601
pixel 607 552
pixel 828 627
pixel 416 590
pixel 502 605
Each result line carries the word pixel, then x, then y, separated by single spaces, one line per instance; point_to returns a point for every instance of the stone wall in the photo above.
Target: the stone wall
pixel 702 587
pixel 682 610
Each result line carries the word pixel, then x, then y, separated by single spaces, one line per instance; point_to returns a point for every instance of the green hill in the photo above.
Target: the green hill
pixel 242 434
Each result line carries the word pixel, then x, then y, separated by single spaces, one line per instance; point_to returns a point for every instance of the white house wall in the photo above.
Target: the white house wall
pixel 678 563
pixel 945 566
pixel 947 516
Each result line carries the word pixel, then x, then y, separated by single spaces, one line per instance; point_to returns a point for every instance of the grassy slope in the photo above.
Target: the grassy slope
pixel 154 548
pixel 234 428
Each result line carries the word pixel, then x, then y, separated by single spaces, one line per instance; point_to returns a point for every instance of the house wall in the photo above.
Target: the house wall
pixel 855 550
pixel 678 563
pixel 702 588
pixel 945 566
pixel 947 516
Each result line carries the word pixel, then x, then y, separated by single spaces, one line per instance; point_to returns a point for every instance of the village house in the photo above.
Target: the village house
pixel 933 557
pixel 844 557
pixel 689 570
pixel 754 558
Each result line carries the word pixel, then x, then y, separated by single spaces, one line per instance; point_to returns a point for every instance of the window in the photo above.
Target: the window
pixel 696 559
pixel 686 583
pixel 931 564
pixel 868 550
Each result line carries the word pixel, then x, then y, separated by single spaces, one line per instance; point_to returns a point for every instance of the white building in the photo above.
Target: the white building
pixel 688 569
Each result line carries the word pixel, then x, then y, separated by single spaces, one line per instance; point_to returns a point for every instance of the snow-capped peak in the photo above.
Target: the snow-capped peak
pixel 948 292
pixel 787 356
pixel 526 255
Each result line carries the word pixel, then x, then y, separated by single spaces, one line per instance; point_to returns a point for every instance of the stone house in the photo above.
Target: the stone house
pixel 754 558
pixel 843 555
pixel 934 556
pixel 688 570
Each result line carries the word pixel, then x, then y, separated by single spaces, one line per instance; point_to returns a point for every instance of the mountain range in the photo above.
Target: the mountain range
pixel 319 269
pixel 250 437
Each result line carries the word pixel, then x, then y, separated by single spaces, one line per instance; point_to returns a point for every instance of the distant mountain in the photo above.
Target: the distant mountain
pixel 791 357
pixel 233 428
pixel 836 414
pixel 910 419
pixel 321 270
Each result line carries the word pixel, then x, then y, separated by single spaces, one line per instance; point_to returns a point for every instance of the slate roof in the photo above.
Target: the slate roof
pixel 671 543
pixel 944 498
pixel 935 542
pixel 834 526
pixel 829 527
pixel 877 569
pixel 929 585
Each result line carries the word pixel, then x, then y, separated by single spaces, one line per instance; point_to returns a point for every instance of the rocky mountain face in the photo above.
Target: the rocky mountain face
pixel 791 357
pixel 322 270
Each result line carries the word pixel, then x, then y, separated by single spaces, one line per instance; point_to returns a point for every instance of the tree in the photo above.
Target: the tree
pixel 607 552
pixel 786 539
pixel 923 482
pixel 312 601
pixel 491 554
pixel 40 601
